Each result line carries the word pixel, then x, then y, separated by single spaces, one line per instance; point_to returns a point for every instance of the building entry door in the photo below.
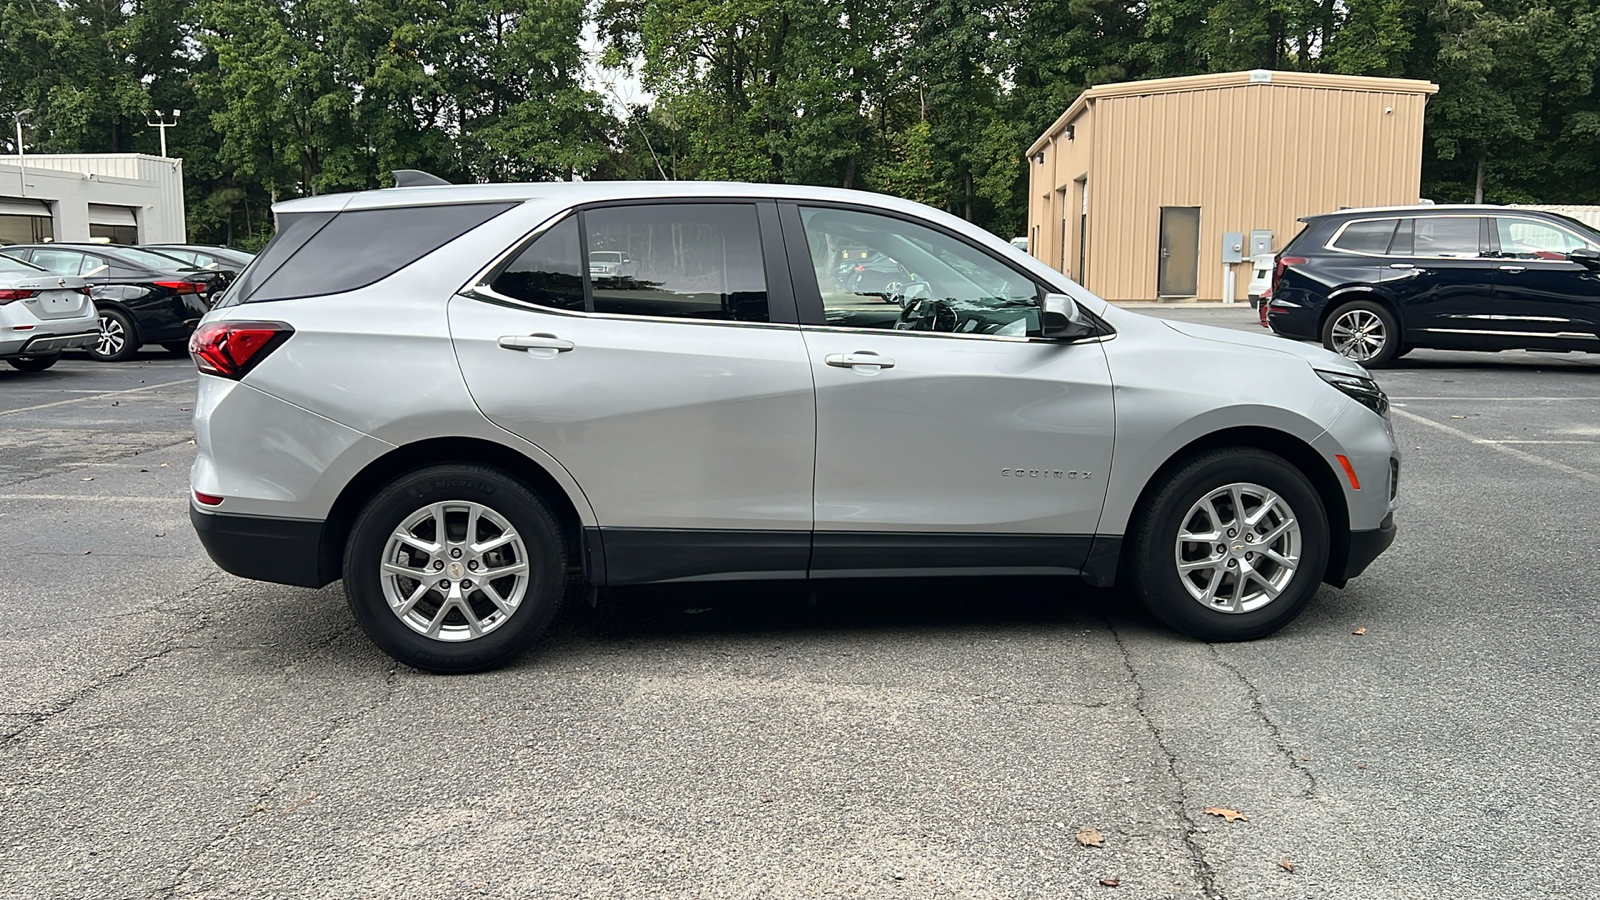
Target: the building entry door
pixel 1178 265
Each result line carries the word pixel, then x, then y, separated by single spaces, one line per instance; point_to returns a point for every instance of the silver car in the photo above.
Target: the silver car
pixel 42 314
pixel 431 393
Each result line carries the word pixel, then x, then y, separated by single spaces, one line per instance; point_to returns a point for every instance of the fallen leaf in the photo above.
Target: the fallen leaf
pixel 1229 814
pixel 89 478
pixel 1361 765
pixel 87 552
pixel 1088 837
pixel 144 470
pixel 1458 417
pixel 1359 631
pixel 1110 882
pixel 164 465
pixel 1286 865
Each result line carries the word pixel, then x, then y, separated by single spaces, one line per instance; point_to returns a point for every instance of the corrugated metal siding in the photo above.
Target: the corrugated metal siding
pixel 1249 155
pixel 1588 215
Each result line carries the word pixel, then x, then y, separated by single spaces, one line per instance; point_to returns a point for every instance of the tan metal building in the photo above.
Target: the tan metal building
pixel 1142 189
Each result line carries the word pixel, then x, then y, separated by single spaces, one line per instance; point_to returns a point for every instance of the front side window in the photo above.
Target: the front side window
pixel 677 260
pixel 1445 236
pixel 1367 237
pixel 1531 239
pixel 878 271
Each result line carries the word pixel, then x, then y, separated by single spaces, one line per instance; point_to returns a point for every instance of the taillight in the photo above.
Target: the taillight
pixel 10 294
pixel 231 349
pixel 184 287
pixel 1281 265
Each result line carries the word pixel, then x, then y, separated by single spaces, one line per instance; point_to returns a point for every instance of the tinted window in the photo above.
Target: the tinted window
pixel 360 247
pixel 548 272
pixel 882 272
pixel 1532 239
pixel 95 266
pixel 11 265
pixel 150 259
pixel 680 260
pixel 293 232
pixel 1445 236
pixel 1367 237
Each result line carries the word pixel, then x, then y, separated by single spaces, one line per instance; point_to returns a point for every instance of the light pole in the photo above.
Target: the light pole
pixel 22 174
pixel 162 123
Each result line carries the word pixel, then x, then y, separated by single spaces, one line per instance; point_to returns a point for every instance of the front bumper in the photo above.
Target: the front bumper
pixel 282 551
pixel 1366 546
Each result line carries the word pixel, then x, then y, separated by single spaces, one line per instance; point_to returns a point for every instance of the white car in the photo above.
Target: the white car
pixel 471 424
pixel 41 314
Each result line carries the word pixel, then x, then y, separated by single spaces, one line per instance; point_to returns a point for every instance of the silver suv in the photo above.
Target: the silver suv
pixel 434 393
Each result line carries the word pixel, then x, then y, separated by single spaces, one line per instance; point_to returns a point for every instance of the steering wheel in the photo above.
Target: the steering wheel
pixel 926 314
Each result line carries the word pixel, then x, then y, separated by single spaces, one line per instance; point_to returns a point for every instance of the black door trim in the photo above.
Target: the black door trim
pixel 868 554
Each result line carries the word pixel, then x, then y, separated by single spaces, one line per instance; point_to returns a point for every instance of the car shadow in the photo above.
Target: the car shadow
pixel 1488 361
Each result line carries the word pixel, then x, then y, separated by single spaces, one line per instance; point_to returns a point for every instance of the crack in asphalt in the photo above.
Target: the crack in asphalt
pixel 1204 873
pixel 261 803
pixel 37 720
pixel 1258 706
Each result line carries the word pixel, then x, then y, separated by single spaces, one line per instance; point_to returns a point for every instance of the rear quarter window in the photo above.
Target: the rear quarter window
pixel 322 253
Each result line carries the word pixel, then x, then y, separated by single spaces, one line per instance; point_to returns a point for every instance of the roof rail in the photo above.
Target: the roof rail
pixel 415 178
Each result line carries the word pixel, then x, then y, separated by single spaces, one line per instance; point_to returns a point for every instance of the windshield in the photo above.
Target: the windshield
pixel 605 256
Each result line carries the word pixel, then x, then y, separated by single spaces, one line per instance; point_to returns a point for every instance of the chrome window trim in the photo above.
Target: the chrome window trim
pixel 1555 225
pixel 1340 232
pixel 1003 338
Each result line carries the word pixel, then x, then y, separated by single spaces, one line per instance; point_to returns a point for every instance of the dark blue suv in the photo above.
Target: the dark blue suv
pixel 1373 284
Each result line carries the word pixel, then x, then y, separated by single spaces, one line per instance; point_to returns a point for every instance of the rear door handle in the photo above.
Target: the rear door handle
pixel 1401 266
pixel 865 362
pixel 1513 268
pixel 533 342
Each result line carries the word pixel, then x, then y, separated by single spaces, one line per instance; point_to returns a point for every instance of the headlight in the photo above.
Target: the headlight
pixel 1359 388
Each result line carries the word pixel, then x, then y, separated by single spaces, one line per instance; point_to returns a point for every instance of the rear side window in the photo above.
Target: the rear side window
pixel 294 229
pixel 679 261
pixel 547 273
pixel 360 247
pixel 1367 237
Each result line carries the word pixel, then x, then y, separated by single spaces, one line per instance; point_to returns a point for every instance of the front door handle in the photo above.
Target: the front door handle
pixel 533 343
pixel 866 362
pixel 1401 266
pixel 1513 268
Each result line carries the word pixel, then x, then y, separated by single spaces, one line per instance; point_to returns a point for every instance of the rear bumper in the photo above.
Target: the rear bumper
pixel 1366 546
pixel 283 551
pixel 48 343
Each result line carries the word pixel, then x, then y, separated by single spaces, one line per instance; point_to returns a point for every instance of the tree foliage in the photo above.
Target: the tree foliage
pixel 935 100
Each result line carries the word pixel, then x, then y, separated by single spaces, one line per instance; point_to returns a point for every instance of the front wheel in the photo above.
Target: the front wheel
pixel 34 363
pixel 1364 331
pixel 455 569
pixel 1231 546
pixel 117 341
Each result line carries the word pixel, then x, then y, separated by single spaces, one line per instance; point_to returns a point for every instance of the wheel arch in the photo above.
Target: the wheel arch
pixel 441 451
pixel 116 305
pixel 1291 448
pixel 1341 296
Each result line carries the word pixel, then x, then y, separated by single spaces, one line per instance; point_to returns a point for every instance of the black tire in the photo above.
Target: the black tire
pixel 119 339
pixel 1371 319
pixel 1153 549
pixel 34 363
pixel 544 546
pixel 176 348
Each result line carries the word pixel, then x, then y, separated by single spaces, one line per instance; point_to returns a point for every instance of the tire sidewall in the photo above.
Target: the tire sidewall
pixel 1391 331
pixel 527 514
pixel 34 363
pixel 1156 574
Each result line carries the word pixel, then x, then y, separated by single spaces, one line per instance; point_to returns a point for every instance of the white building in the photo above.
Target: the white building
pixel 124 198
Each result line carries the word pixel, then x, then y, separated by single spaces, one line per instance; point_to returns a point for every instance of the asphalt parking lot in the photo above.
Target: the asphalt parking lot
pixel 1427 732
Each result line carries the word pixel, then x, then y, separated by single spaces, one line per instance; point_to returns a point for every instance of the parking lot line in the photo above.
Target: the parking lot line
pixel 1494 399
pixel 52 498
pixel 148 387
pixel 1499 446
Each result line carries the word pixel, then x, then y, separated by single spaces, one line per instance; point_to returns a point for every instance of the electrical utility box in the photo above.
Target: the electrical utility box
pixel 1260 242
pixel 1232 246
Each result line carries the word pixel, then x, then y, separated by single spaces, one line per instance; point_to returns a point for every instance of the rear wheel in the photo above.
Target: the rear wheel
pixel 1231 546
pixel 1364 331
pixel 455 569
pixel 118 340
pixel 34 363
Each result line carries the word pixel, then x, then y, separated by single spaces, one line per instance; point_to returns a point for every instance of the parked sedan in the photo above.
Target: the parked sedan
pixel 1373 284
pixel 41 314
pixel 205 256
pixel 142 297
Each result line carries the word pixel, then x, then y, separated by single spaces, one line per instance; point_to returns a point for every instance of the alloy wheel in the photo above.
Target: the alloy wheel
pixel 1359 335
pixel 1238 548
pixel 112 337
pixel 454 571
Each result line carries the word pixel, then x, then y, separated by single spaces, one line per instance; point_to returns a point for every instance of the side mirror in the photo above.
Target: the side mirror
pixel 1586 256
pixel 1063 319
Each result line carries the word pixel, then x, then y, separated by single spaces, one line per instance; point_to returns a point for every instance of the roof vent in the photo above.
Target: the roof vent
pixel 415 178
